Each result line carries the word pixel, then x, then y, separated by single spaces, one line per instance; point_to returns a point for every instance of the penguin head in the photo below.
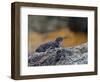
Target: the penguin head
pixel 59 39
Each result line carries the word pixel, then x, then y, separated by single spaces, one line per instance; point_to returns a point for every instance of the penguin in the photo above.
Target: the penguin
pixel 50 45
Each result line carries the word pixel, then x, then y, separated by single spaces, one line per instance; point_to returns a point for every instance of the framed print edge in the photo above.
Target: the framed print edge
pixel 96 40
pixel 15 40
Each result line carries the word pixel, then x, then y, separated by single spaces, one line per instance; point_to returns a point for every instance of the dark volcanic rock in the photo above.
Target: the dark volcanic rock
pixel 60 56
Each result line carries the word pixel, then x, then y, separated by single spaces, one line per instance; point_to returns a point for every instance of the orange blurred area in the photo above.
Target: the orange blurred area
pixel 70 38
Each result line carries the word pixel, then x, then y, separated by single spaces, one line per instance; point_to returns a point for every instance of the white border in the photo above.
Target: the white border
pixel 25 70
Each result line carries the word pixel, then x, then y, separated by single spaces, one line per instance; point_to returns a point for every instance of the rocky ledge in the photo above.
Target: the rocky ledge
pixel 60 56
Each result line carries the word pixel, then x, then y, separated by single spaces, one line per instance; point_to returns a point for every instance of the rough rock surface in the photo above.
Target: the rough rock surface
pixel 60 56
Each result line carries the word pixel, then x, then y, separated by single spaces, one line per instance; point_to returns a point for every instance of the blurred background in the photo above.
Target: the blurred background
pixel 42 29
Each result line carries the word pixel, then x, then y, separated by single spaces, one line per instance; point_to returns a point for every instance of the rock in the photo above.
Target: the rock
pixel 60 56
